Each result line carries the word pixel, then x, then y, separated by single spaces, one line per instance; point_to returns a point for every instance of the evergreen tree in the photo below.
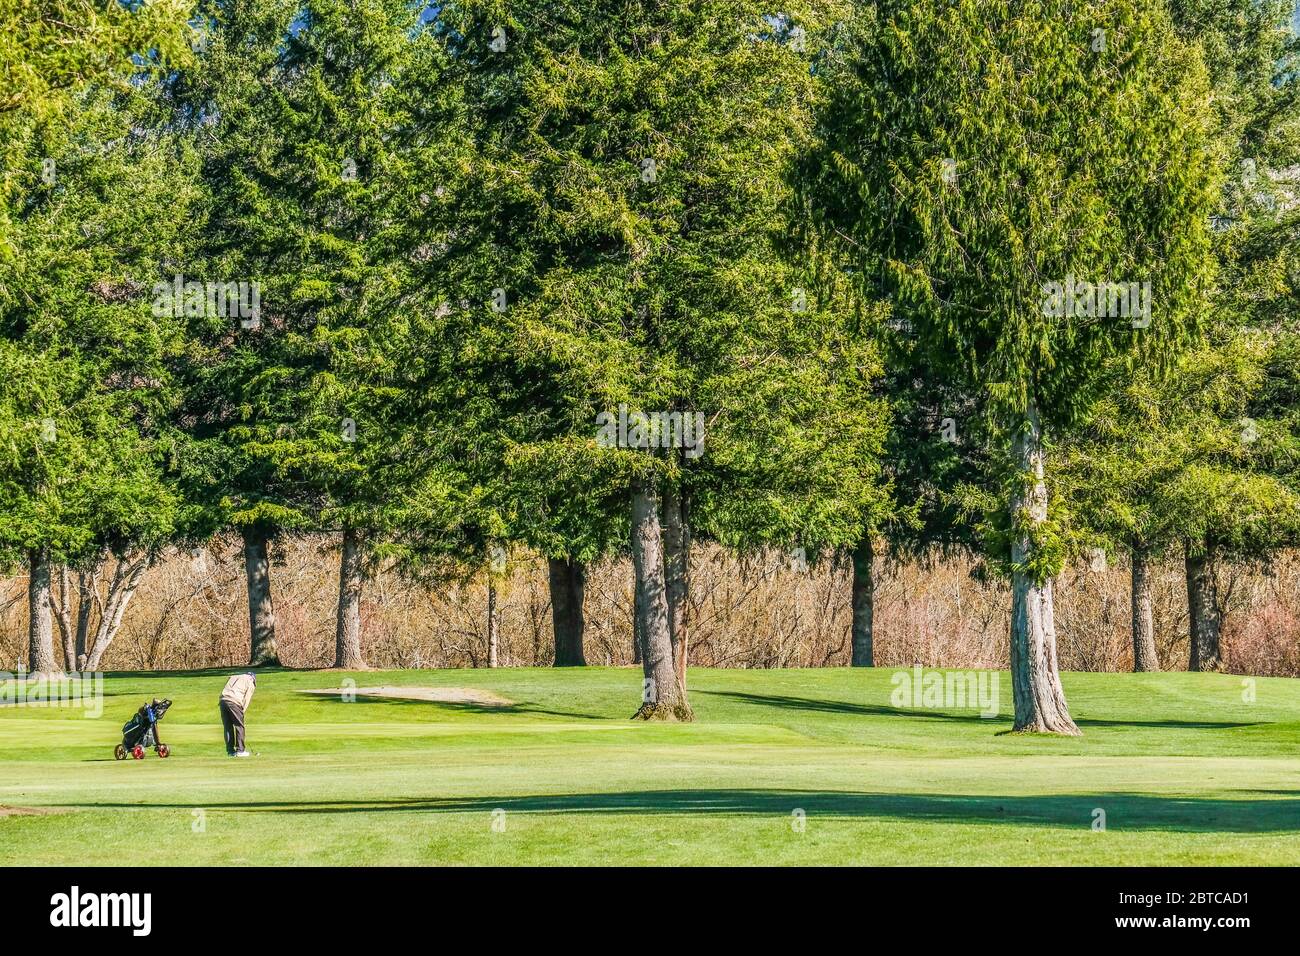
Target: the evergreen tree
pixel 49 48
pixel 1198 460
pixel 102 195
pixel 324 160
pixel 52 49
pixel 1253 53
pixel 1186 461
pixel 654 305
pixel 984 156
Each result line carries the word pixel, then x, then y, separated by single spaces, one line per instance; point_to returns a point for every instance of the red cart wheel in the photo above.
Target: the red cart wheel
pixel 163 750
pixel 119 752
pixel 137 752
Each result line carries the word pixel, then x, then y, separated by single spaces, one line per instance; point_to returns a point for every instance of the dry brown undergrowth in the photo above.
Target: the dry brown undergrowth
pixel 747 612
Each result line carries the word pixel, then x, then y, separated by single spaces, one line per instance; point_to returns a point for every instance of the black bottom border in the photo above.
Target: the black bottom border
pixel 338 904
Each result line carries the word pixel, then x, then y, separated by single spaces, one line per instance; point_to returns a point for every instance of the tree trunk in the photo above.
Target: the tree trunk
pixel 87 597
pixel 1144 631
pixel 1040 705
pixel 863 604
pixel 637 642
pixel 568 582
pixel 494 623
pixel 261 610
pixel 662 696
pixel 126 578
pixel 63 617
pixel 1203 613
pixel 677 579
pixel 40 630
pixel 347 630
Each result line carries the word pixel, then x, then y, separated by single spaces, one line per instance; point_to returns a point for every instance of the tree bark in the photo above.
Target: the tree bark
pixel 63 617
pixel 863 604
pixel 347 630
pixel 494 623
pixel 677 578
pixel 568 583
pixel 126 578
pixel 87 597
pixel 1203 613
pixel 261 609
pixel 1040 705
pixel 40 630
pixel 662 696
pixel 637 642
pixel 1145 657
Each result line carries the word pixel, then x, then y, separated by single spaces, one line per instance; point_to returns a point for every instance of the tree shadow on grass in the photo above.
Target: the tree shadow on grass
pixel 202 672
pixel 878 710
pixel 455 706
pixel 1124 811
pixel 840 706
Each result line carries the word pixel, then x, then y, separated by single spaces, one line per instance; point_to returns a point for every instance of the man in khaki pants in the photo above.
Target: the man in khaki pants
pixel 234 701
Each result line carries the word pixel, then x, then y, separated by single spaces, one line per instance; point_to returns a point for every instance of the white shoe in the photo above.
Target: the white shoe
pixel 243 753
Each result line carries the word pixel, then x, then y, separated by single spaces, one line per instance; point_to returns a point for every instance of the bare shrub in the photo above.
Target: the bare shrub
pixel 757 610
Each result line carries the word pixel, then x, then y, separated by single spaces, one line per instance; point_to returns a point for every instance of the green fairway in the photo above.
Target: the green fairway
pixel 797 766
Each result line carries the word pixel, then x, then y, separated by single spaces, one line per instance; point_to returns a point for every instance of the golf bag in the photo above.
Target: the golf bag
pixel 141 731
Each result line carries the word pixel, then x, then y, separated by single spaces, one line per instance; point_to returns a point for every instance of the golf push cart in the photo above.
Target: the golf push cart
pixel 141 731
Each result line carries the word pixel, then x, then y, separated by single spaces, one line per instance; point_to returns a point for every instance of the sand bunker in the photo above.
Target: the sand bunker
pixel 437 695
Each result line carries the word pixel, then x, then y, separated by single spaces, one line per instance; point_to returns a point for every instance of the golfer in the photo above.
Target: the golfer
pixel 234 701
